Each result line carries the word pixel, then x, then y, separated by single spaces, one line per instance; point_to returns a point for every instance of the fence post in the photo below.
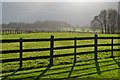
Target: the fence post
pixel 95 48
pixel 20 52
pixel 96 62
pixel 75 50
pixel 51 49
pixel 112 47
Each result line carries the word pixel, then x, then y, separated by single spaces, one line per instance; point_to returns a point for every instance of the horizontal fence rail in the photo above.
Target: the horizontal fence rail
pixel 14 31
pixel 55 48
pixel 60 55
pixel 56 39
pixel 52 40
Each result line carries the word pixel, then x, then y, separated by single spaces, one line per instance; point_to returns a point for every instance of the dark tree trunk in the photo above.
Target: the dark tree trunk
pixel 102 30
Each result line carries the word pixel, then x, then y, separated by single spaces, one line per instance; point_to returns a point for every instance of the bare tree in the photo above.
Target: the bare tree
pixel 96 24
pixel 112 21
pixel 106 21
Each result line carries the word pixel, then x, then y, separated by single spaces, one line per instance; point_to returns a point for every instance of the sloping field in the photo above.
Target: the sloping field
pixel 64 67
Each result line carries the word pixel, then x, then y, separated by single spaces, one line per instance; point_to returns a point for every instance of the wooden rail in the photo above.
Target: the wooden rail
pixel 52 48
pixel 14 31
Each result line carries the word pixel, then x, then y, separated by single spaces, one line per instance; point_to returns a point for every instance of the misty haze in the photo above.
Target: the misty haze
pixel 75 13
pixel 60 40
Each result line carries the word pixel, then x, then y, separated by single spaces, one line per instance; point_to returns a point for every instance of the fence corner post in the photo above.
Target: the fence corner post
pixel 51 49
pixel 20 52
pixel 75 50
pixel 95 48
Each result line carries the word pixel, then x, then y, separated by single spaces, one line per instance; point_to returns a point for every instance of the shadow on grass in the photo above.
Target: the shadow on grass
pixel 94 73
pixel 63 67
pixel 43 72
pixel 71 71
pixel 11 74
pixel 117 62
pixel 32 67
pixel 97 67
pixel 78 75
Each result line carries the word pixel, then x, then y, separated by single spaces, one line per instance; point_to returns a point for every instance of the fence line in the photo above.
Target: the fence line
pixel 52 48
pixel 8 31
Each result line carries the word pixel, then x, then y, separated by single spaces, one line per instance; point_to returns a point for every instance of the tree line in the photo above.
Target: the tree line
pixel 107 21
pixel 38 25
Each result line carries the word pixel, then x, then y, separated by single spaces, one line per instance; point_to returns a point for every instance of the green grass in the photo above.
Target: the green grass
pixel 84 68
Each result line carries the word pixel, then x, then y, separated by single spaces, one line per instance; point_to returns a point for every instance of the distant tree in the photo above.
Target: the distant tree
pixel 38 26
pixel 107 21
pixel 82 29
pixel 95 25
pixel 74 29
pixel 112 21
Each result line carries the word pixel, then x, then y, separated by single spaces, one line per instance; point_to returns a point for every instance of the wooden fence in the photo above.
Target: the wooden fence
pixel 35 31
pixel 52 48
pixel 16 31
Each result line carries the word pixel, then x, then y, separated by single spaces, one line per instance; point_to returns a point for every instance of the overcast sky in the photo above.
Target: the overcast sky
pixel 0 13
pixel 60 0
pixel 76 13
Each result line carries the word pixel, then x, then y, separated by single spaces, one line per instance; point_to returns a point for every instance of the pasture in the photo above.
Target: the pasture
pixel 63 67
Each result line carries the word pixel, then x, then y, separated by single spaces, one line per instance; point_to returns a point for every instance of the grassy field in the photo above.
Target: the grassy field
pixel 63 66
